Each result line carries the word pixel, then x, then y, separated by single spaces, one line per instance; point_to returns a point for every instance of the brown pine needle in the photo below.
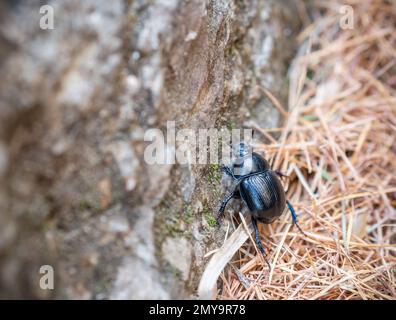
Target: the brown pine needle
pixel 338 144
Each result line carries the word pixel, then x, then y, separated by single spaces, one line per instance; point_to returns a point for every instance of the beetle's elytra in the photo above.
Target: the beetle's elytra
pixel 264 196
pixel 260 189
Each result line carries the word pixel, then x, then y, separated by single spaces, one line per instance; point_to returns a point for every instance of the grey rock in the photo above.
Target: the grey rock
pixel 75 103
pixel 177 251
pixel 135 280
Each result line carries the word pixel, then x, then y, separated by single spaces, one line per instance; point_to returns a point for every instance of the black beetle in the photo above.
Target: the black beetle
pixel 260 189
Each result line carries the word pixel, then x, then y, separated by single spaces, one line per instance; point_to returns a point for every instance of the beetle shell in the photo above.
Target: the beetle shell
pixel 250 164
pixel 264 195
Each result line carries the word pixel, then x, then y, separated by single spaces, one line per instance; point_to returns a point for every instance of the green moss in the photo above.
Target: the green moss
pixel 88 205
pixel 310 74
pixel 177 273
pixel 188 214
pixel 214 174
pixel 210 219
pixel 85 205
pixel 175 223
pixel 173 229
pixel 310 118
pixel 326 175
pixel 172 224
pixel 231 125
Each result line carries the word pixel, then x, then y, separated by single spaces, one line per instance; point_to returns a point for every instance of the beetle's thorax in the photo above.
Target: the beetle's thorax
pixel 246 161
pixel 244 165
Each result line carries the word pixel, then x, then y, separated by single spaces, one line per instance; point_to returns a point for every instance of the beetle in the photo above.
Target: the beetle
pixel 260 189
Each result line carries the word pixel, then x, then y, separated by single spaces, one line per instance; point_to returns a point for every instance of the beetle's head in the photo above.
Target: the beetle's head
pixel 242 150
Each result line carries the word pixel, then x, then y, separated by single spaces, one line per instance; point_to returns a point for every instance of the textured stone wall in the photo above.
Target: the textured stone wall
pixel 75 102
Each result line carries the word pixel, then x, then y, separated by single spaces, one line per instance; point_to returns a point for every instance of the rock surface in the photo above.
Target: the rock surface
pixel 75 102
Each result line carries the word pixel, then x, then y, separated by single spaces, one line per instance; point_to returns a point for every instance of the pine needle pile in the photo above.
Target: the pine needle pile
pixel 338 146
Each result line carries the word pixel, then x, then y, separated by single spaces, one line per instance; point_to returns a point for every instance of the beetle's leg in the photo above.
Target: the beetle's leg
pixel 228 171
pixel 258 241
pixel 234 194
pixel 280 174
pixel 294 216
pixel 237 194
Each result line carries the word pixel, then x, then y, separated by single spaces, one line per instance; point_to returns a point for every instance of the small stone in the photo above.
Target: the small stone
pixel 118 224
pixel 3 158
pixel 190 36
pixel 130 183
pixel 198 206
pixel 187 183
pixel 61 146
pixel 92 259
pixel 133 84
pixel 135 55
pixel 130 284
pixel 126 160
pixel 177 251
pixel 105 192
